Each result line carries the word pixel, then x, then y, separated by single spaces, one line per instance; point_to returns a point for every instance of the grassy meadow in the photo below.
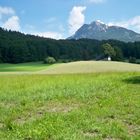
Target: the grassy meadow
pixel 91 67
pixel 70 107
pixel 68 68
pixel 23 67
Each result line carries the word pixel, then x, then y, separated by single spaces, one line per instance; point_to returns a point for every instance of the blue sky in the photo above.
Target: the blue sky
pixel 61 18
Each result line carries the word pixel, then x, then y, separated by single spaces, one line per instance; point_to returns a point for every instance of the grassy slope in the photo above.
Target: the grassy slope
pixel 91 66
pixel 74 107
pixel 73 67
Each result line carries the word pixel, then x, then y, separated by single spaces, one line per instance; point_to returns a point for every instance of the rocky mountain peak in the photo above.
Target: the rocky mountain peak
pixel 100 31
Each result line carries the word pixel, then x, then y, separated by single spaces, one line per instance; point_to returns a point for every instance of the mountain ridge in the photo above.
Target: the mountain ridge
pixel 100 31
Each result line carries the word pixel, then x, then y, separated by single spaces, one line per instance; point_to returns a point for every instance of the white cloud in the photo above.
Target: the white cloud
pixel 133 23
pixel 96 1
pixel 6 11
pixel 12 24
pixel 54 35
pixel 76 18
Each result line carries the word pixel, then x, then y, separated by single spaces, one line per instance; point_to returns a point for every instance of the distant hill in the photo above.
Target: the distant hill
pixel 100 31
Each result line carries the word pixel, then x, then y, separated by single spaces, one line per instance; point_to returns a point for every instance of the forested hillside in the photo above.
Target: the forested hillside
pixel 16 47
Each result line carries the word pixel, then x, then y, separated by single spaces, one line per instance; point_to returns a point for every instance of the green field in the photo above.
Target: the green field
pixel 67 68
pixel 102 102
pixel 74 107
pixel 23 67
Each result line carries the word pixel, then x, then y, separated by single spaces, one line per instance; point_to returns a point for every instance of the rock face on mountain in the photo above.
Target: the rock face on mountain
pixel 100 31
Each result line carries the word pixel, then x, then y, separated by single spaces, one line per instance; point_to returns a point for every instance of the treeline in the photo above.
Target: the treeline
pixel 16 47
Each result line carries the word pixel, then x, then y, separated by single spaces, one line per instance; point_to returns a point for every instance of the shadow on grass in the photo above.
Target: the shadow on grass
pixel 133 80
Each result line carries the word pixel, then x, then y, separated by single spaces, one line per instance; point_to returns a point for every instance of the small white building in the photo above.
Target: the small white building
pixel 109 58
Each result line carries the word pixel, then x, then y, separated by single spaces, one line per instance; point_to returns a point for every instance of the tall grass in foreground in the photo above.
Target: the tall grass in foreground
pixel 73 107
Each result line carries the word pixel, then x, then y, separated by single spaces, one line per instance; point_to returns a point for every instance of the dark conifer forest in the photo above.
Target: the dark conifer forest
pixel 16 47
